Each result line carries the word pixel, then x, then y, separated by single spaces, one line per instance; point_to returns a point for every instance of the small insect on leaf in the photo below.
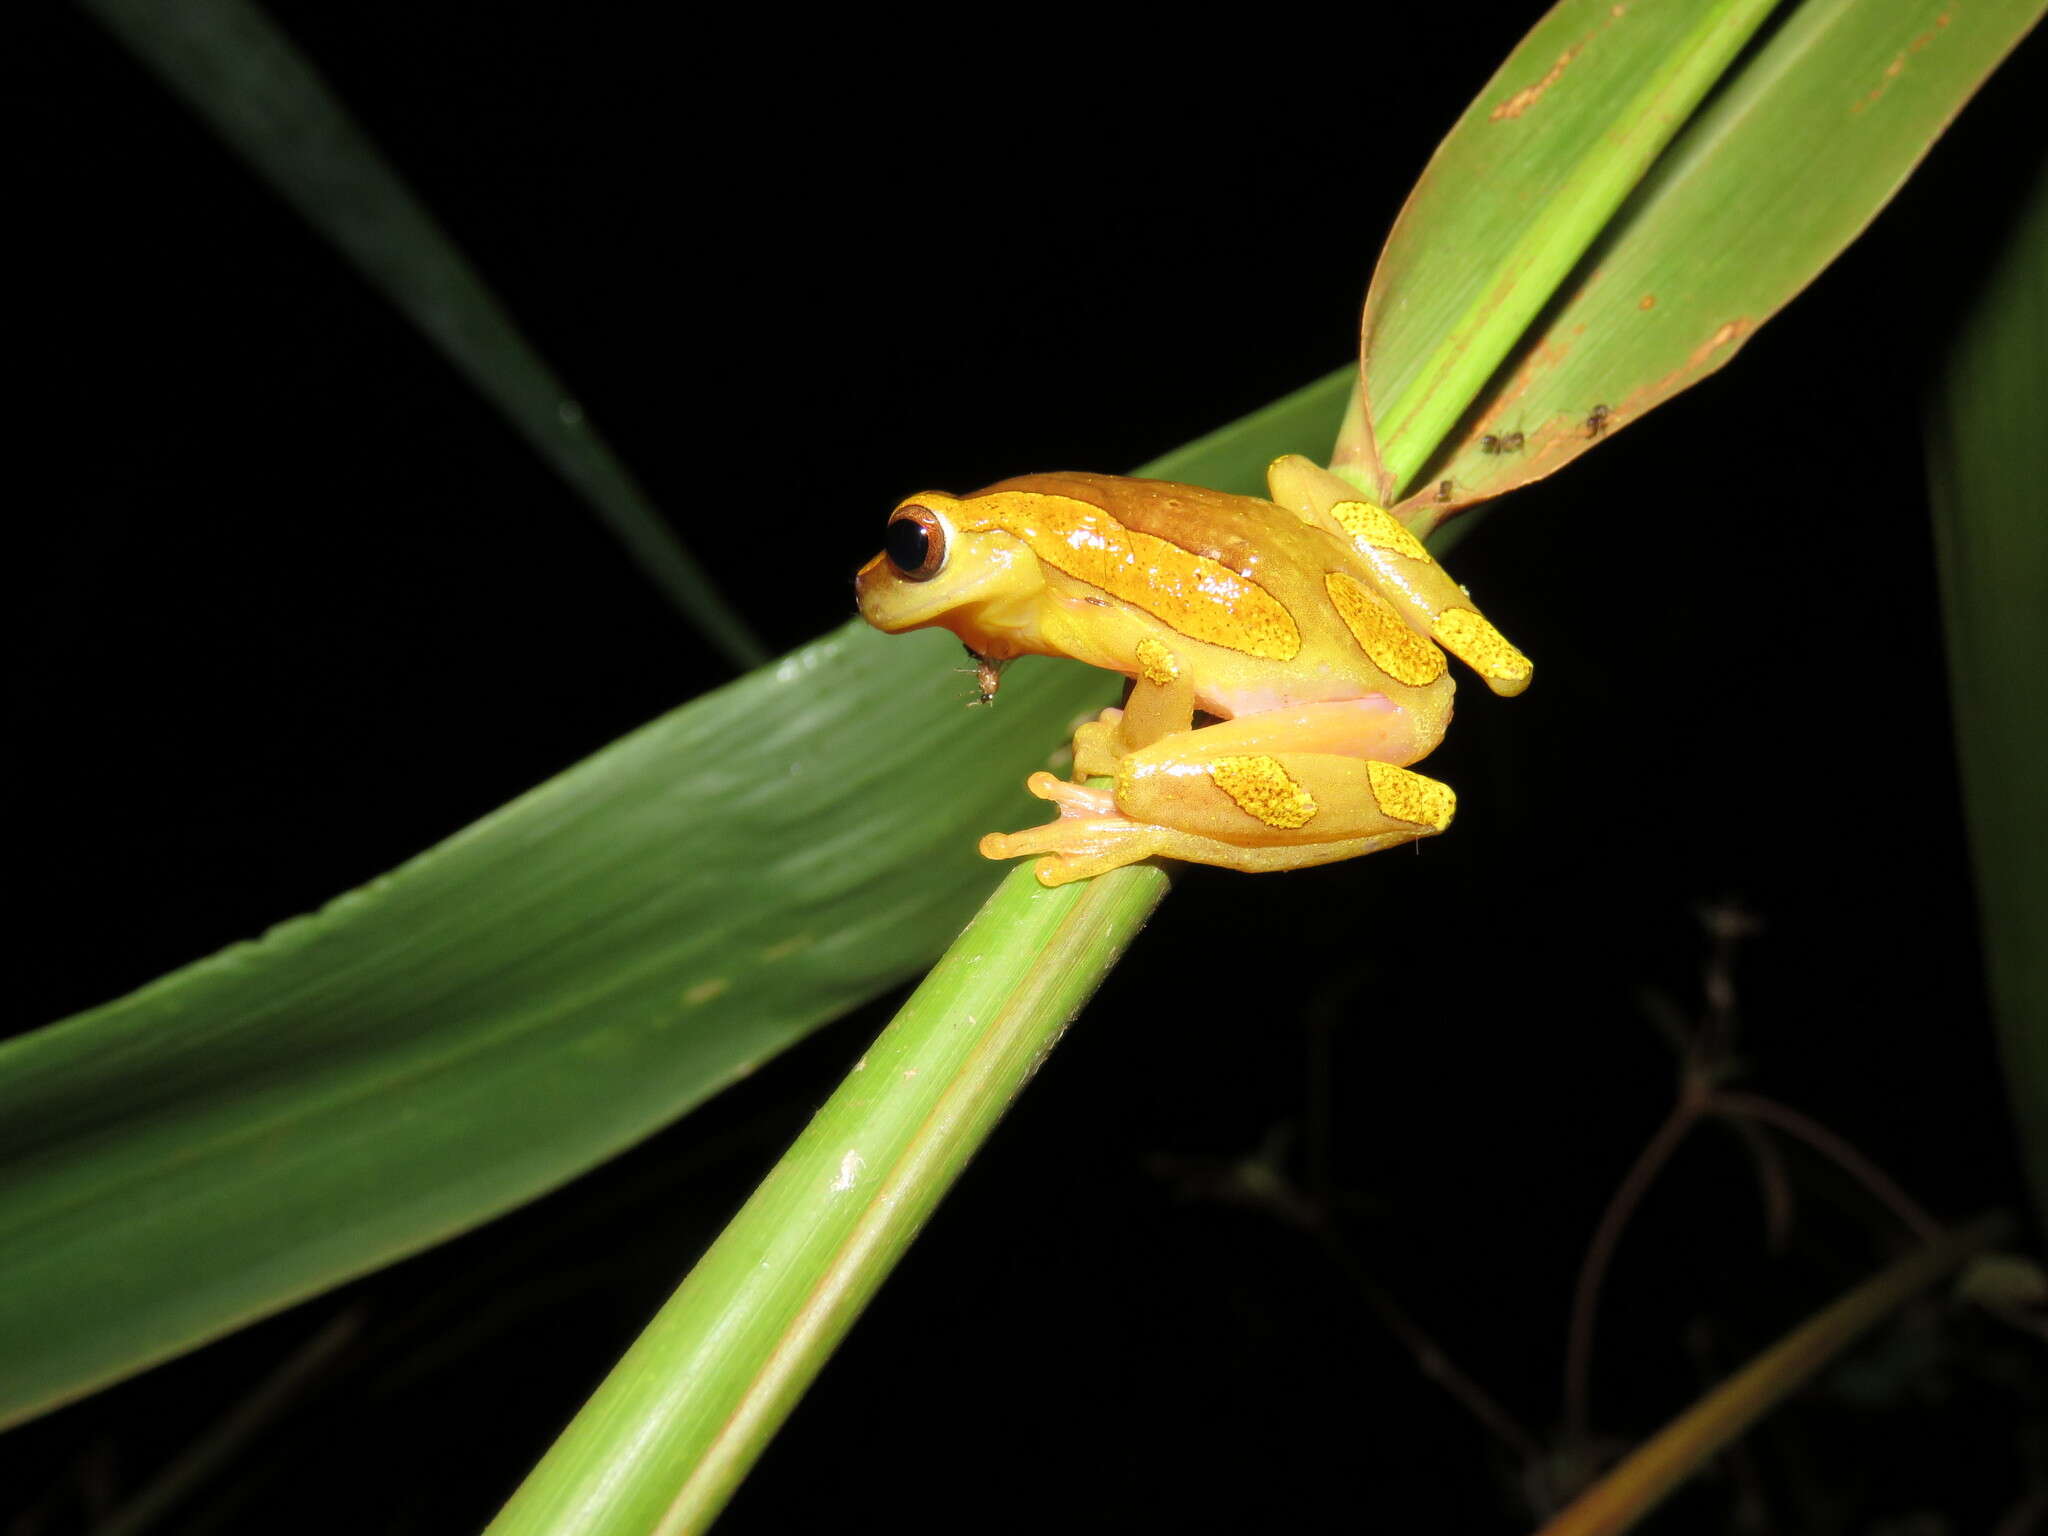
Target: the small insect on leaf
pixel 1501 442
pixel 1596 420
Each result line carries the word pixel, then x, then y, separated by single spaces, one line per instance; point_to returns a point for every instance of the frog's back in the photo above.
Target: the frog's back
pixel 1217 525
pixel 1281 553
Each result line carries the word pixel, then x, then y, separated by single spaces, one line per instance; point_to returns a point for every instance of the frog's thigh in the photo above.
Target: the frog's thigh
pixel 1373 726
pixel 1278 799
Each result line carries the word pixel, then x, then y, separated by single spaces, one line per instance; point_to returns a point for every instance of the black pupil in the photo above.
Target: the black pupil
pixel 908 543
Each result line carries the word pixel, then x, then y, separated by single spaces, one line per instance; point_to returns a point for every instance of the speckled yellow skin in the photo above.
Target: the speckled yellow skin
pixel 1311 626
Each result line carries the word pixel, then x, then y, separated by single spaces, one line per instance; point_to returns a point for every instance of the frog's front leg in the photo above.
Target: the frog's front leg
pixel 1261 792
pixel 1162 704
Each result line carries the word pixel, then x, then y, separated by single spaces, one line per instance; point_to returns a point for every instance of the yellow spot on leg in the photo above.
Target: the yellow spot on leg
pixel 1468 636
pixel 1378 528
pixel 1395 649
pixel 1262 788
pixel 1409 796
pixel 1156 663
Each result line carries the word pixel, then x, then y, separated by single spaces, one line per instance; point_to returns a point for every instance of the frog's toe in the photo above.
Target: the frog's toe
pixel 1076 846
pixel 1062 868
pixel 1068 835
pixel 1072 799
pixel 1004 845
pixel 1057 869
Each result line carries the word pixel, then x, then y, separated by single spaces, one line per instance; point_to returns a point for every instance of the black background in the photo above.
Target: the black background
pixel 295 603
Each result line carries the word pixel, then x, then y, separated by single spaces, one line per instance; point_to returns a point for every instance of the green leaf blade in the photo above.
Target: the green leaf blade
pixel 228 62
pixel 508 1009
pixel 1987 465
pixel 1234 457
pixel 1522 186
pixel 1803 145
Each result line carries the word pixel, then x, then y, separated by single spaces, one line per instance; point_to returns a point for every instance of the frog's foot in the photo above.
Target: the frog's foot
pixel 1087 838
pixel 1081 847
pixel 1097 747
pixel 1076 801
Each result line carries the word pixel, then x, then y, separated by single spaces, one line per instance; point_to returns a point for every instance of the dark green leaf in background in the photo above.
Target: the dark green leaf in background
pixel 232 66
pixel 1988 467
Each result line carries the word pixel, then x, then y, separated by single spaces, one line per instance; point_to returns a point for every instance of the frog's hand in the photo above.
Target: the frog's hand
pixel 1404 573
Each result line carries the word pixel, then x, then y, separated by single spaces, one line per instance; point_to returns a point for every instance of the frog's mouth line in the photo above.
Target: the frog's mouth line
pixel 1005 627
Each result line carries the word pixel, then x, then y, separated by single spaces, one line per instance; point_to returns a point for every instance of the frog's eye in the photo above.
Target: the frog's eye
pixel 916 542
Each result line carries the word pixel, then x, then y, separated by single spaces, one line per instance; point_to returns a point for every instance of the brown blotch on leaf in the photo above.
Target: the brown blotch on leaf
pixel 1529 95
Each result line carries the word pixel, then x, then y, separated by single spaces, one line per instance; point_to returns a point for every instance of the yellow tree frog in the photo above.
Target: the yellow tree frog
pixel 1311 627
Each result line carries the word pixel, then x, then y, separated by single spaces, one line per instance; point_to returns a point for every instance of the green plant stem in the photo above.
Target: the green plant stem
pixel 666 1438
pixel 1642 1479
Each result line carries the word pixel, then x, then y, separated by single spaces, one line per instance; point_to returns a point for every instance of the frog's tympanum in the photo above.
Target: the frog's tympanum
pixel 1311 627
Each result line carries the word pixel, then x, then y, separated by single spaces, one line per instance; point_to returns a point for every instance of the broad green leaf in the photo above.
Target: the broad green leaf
pixel 1528 178
pixel 506 1010
pixel 1234 457
pixel 232 66
pixel 1988 464
pixel 515 1005
pixel 1801 145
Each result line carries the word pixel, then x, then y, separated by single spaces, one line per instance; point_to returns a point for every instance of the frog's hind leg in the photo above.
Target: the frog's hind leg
pixel 1249 812
pixel 1277 805
pixel 1408 587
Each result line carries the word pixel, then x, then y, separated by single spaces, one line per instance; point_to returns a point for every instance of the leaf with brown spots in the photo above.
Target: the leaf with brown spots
pixel 1577 293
